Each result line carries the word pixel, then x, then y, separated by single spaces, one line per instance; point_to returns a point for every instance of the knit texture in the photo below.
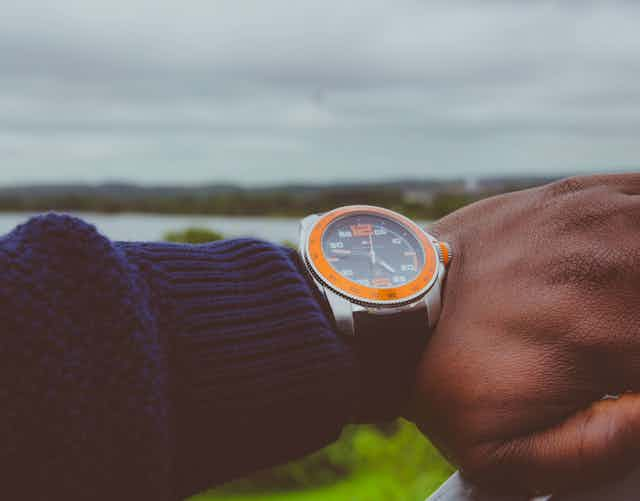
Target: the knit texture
pixel 152 370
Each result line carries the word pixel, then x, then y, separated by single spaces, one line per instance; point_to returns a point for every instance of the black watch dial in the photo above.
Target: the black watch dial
pixel 373 250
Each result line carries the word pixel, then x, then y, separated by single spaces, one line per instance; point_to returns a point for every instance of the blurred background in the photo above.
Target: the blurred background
pixel 199 120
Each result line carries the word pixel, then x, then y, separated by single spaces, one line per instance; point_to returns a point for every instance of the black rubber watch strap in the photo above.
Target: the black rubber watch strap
pixel 389 347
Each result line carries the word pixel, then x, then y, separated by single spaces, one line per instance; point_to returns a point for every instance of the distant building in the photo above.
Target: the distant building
pixel 472 185
pixel 425 195
pixel 419 196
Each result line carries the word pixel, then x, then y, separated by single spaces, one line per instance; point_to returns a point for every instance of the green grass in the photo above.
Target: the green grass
pixel 193 235
pixel 362 487
pixel 365 464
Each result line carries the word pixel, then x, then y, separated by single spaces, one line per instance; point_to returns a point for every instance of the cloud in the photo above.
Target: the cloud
pixel 282 90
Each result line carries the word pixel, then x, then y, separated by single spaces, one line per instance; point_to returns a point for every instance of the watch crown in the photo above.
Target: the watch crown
pixel 445 253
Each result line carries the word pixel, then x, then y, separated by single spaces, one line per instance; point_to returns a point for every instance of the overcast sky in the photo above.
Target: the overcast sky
pixel 269 91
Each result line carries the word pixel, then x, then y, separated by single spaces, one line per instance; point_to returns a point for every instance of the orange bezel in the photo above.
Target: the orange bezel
pixel 342 285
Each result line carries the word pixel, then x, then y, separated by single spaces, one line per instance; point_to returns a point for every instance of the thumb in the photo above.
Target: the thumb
pixel 596 444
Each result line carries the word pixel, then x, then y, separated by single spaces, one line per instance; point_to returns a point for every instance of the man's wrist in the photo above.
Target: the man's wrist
pixel 387 349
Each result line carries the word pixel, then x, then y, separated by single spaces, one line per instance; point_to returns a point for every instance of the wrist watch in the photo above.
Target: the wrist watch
pixel 381 278
pixel 374 267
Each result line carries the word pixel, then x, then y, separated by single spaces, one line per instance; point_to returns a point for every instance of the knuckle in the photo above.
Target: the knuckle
pixel 488 463
pixel 566 186
pixel 606 435
pixel 574 184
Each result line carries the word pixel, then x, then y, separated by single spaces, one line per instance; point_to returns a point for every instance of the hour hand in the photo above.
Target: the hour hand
pixel 386 266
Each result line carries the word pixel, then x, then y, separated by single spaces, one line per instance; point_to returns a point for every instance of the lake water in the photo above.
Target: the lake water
pixel 150 227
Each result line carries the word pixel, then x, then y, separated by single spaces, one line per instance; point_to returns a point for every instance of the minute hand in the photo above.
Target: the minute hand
pixel 373 252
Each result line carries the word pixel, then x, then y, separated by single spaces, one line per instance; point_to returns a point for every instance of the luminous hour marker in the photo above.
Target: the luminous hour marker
pixel 361 230
pixel 381 282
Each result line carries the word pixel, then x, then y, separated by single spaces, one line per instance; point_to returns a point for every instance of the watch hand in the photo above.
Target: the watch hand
pixel 373 253
pixel 386 266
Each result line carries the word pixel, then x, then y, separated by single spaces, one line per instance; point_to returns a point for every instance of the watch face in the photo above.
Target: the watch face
pixel 373 250
pixel 371 255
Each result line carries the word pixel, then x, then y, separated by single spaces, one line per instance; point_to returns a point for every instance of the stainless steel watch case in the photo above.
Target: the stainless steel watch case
pixel 344 305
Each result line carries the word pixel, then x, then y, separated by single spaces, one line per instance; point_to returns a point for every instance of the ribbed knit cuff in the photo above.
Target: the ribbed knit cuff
pixel 257 372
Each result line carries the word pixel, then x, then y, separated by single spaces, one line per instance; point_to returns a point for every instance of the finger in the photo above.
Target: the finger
pixel 595 445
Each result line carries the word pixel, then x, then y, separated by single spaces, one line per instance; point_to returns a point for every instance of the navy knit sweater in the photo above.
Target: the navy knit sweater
pixel 153 370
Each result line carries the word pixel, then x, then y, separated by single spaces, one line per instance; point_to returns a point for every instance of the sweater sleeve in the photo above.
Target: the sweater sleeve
pixel 258 374
pixel 152 370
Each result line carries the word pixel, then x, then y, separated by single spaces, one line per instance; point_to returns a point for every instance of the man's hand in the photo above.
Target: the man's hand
pixel 540 320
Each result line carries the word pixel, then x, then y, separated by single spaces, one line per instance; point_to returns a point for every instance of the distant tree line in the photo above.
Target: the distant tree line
pixel 243 202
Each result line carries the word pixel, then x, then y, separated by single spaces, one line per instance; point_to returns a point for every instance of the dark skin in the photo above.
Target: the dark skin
pixel 540 320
